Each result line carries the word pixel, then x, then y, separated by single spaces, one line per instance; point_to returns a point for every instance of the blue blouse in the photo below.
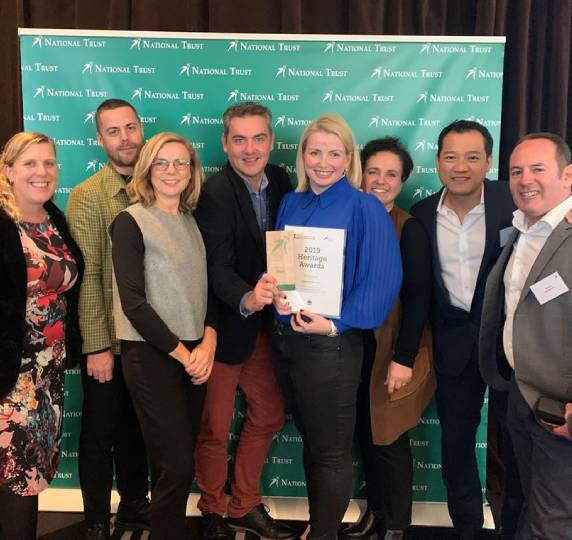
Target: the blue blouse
pixel 372 263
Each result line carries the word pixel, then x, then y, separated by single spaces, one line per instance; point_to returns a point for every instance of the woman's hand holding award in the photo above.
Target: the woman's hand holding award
pixel 308 264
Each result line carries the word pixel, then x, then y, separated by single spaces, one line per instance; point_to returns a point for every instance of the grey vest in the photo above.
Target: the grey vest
pixel 175 273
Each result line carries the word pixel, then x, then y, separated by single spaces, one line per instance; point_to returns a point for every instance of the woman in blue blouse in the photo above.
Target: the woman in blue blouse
pixel 318 360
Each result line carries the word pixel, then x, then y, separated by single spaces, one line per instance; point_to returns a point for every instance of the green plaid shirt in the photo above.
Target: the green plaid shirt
pixel 92 206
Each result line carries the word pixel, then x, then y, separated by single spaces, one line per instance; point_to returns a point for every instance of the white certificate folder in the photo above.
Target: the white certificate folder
pixel 308 263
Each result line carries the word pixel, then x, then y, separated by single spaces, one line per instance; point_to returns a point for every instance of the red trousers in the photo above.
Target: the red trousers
pixel 264 417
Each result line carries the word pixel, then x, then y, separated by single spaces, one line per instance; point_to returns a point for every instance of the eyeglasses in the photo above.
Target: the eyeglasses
pixel 163 164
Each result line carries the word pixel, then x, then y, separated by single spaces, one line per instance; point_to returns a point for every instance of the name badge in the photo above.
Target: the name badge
pixel 549 288
pixel 504 235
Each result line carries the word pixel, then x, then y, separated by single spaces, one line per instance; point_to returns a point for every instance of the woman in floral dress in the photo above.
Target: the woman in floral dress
pixel 40 270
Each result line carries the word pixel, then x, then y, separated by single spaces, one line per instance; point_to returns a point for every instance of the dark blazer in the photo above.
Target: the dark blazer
pixel 456 331
pixel 13 289
pixel 236 254
pixel 542 337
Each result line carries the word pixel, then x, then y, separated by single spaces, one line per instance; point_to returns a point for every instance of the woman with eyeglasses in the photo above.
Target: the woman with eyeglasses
pixel 163 318
pixel 40 272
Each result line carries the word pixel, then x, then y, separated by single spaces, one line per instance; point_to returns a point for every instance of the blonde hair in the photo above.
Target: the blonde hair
pixel 140 188
pixel 13 149
pixel 330 123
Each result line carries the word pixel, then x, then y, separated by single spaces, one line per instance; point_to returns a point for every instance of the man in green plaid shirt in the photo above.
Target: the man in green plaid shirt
pixel 110 434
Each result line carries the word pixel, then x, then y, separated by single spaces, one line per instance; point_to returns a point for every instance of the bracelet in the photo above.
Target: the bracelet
pixel 333 330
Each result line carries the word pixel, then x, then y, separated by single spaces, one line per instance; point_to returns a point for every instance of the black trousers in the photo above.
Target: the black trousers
pixel 110 438
pixel 18 516
pixel 512 496
pixel 459 401
pixel 388 469
pixel 319 377
pixel 545 465
pixel 169 408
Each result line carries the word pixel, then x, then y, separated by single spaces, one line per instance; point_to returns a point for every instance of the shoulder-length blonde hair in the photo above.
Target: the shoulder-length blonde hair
pixel 330 123
pixel 140 188
pixel 13 149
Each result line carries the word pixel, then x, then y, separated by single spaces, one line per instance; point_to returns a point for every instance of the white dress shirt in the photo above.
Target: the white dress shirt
pixel 461 247
pixel 526 248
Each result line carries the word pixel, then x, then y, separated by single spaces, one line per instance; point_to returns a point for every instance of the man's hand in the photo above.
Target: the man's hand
pixel 562 431
pixel 397 376
pixel 262 295
pixel 100 366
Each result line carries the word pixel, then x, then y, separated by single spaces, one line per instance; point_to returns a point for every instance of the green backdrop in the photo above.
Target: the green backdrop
pixel 409 87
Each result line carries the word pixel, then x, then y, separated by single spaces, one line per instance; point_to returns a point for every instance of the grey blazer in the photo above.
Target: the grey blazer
pixel 542 334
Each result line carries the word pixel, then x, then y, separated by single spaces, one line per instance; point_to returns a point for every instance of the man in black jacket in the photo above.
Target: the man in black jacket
pixel 467 222
pixel 237 206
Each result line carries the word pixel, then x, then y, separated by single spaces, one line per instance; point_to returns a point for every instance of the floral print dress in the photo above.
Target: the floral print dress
pixel 31 414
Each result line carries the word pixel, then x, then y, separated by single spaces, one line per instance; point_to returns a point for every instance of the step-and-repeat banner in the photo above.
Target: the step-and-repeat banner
pixel 410 87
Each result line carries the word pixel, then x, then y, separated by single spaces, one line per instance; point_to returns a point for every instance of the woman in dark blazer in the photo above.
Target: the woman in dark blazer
pixel 40 271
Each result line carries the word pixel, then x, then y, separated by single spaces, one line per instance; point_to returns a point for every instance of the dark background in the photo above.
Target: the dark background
pixel 537 69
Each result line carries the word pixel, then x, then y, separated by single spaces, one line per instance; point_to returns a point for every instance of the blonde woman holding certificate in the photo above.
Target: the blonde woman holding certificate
pixel 318 359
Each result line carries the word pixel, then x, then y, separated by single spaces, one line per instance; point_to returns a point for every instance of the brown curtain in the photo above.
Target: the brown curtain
pixel 537 92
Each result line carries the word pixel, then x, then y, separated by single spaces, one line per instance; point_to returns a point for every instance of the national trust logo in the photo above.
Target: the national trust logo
pixel 422 192
pixel 425 146
pixel 278 482
pixel 68 42
pixel 43 92
pixel 340 47
pixel 93 165
pixel 455 48
pixel 188 69
pixel 487 122
pixel 331 96
pixel 42 117
pixel 238 95
pixel 329 47
pixel 89 117
pixel 141 93
pixel 189 119
pixel 236 45
pixel 426 97
pixel 381 72
pixel 142 43
pixel 93 67
pixel 475 73
pixel 284 71
pixel 284 120
pixel 382 121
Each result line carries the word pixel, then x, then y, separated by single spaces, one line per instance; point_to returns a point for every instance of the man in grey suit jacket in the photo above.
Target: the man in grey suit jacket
pixel 527 315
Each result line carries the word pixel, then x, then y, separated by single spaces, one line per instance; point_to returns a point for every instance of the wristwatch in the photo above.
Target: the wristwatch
pixel 333 330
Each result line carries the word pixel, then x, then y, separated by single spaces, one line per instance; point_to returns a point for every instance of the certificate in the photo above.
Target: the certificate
pixel 308 263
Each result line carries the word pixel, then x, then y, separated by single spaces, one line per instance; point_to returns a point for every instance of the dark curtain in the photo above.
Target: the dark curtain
pixel 537 90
